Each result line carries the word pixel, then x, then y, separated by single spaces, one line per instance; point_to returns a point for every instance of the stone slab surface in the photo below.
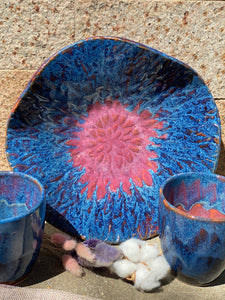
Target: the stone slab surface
pixel 31 31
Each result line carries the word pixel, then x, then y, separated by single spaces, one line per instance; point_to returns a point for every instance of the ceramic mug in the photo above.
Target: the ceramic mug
pixel 192 225
pixel 22 216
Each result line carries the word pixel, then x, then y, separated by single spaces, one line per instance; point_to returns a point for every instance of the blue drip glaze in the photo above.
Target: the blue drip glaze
pixel 89 72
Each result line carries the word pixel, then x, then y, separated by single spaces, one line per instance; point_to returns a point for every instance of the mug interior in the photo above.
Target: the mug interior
pixel 19 195
pixel 197 194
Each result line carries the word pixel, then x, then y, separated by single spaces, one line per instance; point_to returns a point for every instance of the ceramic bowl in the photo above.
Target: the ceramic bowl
pixel 22 215
pixel 101 125
pixel 192 225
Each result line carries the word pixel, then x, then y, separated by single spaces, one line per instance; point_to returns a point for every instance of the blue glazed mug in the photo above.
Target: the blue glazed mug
pixel 192 226
pixel 22 216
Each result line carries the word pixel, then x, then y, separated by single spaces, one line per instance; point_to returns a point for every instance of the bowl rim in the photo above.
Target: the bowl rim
pixel 36 206
pixel 178 211
pixel 104 39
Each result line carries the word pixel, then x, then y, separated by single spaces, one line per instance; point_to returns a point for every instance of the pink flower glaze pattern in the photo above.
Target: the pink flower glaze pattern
pixel 112 146
pixel 91 191
pixel 198 210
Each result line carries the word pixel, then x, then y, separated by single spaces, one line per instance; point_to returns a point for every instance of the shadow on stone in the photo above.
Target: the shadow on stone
pixel 48 264
pixel 221 162
pixel 218 281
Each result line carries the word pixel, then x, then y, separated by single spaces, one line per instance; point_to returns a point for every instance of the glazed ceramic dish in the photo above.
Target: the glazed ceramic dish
pixel 22 216
pixel 102 124
pixel 192 225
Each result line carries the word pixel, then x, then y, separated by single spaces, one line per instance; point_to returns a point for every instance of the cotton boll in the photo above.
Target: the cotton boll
pixel 142 272
pixel 150 282
pixel 123 268
pixel 159 267
pixel 148 286
pixel 148 251
pixel 131 249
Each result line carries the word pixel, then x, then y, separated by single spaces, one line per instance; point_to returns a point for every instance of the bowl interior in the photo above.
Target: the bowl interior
pixel 102 124
pixel 199 195
pixel 19 196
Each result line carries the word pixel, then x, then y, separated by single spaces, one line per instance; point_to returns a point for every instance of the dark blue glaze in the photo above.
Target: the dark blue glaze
pixel 22 216
pixel 193 244
pixel 62 92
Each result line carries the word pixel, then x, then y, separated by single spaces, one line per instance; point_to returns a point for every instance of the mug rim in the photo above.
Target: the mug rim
pixel 36 206
pixel 178 211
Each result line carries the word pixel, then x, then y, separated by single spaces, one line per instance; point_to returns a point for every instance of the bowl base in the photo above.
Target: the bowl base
pixel 192 281
pixel 18 281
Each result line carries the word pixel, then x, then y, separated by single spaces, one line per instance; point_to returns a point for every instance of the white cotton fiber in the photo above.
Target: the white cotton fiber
pixel 148 277
pixel 150 283
pixel 159 267
pixel 142 272
pixel 143 263
pixel 131 249
pixel 148 251
pixel 123 268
